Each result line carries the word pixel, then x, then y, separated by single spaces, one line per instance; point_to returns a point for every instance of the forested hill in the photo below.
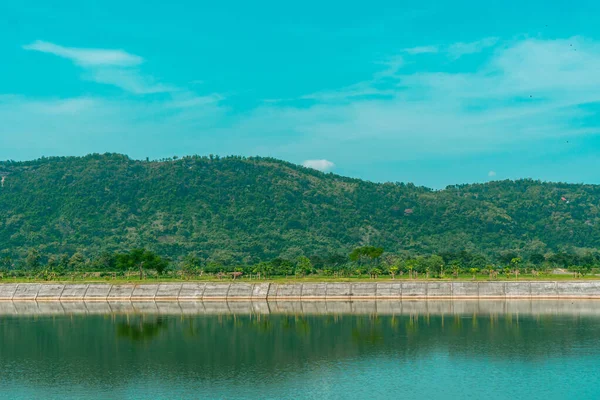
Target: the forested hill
pixel 238 209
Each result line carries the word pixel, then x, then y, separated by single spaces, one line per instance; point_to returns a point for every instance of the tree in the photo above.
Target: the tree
pixel 32 261
pixel 304 265
pixel 6 263
pixel 76 261
pixel 374 272
pixel 142 259
pixel 189 265
pixel 410 266
pixel 393 271
pixel 436 264
pixel 473 272
pixel 537 258
pixel 365 253
pixel 516 265
pixel 261 268
pixel 105 262
pixel 456 267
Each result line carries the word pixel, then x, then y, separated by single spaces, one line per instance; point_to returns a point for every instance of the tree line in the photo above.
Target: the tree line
pixel 363 261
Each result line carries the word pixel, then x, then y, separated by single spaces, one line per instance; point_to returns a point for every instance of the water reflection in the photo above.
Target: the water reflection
pixel 391 307
pixel 120 349
pixel 140 329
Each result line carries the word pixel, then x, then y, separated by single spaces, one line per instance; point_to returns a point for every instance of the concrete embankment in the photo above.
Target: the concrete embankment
pixel 207 291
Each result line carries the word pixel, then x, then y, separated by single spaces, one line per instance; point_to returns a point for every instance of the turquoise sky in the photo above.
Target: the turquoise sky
pixel 434 93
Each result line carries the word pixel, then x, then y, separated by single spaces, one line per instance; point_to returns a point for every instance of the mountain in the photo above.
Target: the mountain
pixel 237 209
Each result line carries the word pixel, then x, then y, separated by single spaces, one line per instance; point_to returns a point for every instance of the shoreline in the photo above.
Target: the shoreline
pixel 329 291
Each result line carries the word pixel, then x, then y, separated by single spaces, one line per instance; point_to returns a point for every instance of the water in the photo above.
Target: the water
pixel 133 355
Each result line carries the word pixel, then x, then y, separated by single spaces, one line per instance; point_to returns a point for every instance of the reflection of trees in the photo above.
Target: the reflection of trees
pixel 199 346
pixel 140 329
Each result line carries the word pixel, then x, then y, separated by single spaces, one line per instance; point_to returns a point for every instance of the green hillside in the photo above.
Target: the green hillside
pixel 234 209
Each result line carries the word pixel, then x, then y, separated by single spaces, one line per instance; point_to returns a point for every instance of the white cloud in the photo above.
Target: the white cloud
pixel 61 106
pixel 35 127
pixel 397 115
pixel 421 50
pixel 87 57
pixel 109 67
pixel 129 80
pixel 321 165
pixel 424 113
pixel 460 49
pixel 492 174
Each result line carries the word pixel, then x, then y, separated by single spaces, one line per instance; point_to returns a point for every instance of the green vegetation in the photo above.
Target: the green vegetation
pixel 210 217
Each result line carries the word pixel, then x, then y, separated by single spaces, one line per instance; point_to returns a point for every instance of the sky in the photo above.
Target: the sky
pixel 434 93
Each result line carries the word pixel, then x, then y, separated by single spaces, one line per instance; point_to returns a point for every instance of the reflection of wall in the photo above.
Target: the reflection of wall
pixel 536 307
pixel 301 291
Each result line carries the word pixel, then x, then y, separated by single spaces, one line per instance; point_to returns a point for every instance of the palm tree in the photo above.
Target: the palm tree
pixel 516 262
pixel 410 267
pixel 456 268
pixel 473 271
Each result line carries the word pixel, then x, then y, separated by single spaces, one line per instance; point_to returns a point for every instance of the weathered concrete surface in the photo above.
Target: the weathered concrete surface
pixel 27 291
pixel 465 289
pixel 518 289
pixel 290 291
pixel 191 291
pixel 273 290
pixel 492 289
pixel 196 291
pixel 7 291
pixel 544 289
pixel 168 291
pixel 579 289
pixel 240 291
pixel 260 291
pixel 74 292
pixel 217 291
pixel 144 292
pixel 414 289
pixel 366 290
pixel 50 292
pixel 120 292
pixel 338 290
pixel 97 291
pixel 314 290
pixel 439 289
pixel 389 290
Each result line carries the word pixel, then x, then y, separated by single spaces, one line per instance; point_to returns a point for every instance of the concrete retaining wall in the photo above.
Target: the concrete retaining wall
pixel 203 291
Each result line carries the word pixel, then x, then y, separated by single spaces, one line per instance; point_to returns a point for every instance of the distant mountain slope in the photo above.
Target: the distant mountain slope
pixel 248 209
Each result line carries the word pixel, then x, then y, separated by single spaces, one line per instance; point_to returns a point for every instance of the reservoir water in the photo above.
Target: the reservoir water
pixel 125 352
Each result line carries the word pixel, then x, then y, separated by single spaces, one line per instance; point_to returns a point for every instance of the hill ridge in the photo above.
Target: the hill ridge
pixel 245 209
